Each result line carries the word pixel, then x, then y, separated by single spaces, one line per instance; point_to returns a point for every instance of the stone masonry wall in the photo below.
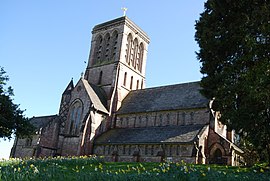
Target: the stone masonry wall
pixel 70 146
pixel 49 135
pixel 25 147
pixel 180 117
pixel 147 152
pixel 71 142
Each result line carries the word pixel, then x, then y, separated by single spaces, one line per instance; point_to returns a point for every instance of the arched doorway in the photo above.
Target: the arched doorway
pixel 217 158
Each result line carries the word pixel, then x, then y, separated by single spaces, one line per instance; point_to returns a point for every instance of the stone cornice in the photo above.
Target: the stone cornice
pixel 122 21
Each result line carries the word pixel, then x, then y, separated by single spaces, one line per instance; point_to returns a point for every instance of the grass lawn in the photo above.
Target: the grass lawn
pixel 93 168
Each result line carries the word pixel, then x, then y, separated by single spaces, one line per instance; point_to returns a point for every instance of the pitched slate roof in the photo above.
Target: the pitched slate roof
pixel 167 134
pixel 96 96
pixel 42 121
pixel 172 97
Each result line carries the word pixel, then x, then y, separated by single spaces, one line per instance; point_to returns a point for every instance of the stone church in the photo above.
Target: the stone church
pixel 110 113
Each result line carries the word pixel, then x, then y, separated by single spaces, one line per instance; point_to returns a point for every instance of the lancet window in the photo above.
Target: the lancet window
pixel 140 57
pixel 129 48
pixel 131 82
pixel 107 46
pixel 100 78
pixel 99 49
pixel 134 53
pixel 125 79
pixel 114 44
pixel 75 117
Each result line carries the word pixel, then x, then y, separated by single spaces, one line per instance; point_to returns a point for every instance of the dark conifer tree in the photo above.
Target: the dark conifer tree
pixel 12 120
pixel 234 41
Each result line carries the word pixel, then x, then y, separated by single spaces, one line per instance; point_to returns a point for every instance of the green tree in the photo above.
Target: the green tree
pixel 12 120
pixel 234 41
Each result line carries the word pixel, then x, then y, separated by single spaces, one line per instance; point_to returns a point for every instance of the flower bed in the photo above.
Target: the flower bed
pixel 88 168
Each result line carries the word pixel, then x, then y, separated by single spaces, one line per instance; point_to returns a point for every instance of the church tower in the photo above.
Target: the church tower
pixel 117 59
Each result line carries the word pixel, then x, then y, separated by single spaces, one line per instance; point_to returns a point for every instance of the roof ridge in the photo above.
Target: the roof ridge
pixel 94 97
pixel 165 127
pixel 164 86
pixel 54 115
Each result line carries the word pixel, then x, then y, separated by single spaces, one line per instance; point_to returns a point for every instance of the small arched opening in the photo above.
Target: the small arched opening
pixel 218 158
pixel 100 78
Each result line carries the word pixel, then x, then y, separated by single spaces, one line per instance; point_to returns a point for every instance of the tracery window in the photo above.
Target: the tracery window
pixel 75 117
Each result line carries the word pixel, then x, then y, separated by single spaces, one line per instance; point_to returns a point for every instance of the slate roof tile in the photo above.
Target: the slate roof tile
pixel 167 134
pixel 172 97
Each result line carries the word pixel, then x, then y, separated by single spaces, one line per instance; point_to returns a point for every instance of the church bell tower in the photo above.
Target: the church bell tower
pixel 117 59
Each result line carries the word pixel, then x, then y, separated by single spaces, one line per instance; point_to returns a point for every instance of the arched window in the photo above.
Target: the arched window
pixel 137 85
pixel 140 57
pixel 129 48
pixel 75 117
pixel 131 82
pixel 142 84
pixel 100 77
pixel 114 44
pixel 135 53
pixel 125 79
pixel 99 49
pixel 107 47
pixel 131 56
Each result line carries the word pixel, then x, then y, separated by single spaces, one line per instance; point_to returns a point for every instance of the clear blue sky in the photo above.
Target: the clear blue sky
pixel 43 44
